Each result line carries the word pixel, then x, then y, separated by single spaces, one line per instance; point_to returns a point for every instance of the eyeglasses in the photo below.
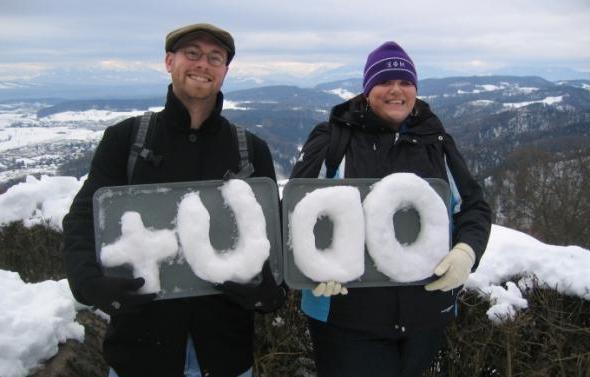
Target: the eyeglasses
pixel 214 58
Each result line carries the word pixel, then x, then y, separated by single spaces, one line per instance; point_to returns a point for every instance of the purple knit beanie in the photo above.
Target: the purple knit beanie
pixel 388 62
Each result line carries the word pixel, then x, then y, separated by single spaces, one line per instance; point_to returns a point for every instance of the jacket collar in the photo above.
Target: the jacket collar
pixel 178 117
pixel 356 113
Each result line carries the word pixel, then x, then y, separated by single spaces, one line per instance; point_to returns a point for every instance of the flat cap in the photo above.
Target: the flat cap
pixel 190 32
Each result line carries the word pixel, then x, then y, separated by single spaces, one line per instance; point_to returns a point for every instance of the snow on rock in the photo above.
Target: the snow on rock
pixel 38 201
pixel 512 254
pixel 34 319
pixel 505 301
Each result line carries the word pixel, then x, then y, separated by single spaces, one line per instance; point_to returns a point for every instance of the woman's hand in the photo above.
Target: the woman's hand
pixel 329 288
pixel 454 269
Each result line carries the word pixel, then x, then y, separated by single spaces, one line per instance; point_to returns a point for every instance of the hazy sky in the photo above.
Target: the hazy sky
pixel 297 37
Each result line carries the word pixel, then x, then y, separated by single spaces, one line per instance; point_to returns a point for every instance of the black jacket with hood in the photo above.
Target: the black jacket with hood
pixel 143 343
pixel 375 150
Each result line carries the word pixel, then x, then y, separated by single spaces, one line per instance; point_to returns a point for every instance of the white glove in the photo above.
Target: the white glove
pixel 454 269
pixel 329 288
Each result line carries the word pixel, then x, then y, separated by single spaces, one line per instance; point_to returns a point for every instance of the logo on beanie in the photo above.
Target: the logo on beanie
pixel 395 64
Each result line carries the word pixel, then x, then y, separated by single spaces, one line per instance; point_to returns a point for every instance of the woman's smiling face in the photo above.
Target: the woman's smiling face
pixel 393 100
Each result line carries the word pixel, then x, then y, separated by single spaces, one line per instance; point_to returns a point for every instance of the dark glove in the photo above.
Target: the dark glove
pixel 115 295
pixel 264 297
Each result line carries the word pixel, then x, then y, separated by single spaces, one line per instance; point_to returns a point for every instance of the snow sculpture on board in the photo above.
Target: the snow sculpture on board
pixel 143 249
pixel 343 260
pixel 416 261
pixel 241 263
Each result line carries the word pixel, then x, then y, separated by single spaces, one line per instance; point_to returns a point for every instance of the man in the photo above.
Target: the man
pixel 193 142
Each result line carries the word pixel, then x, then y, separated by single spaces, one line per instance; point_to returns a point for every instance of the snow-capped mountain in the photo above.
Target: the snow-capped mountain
pixel 487 115
pixel 491 116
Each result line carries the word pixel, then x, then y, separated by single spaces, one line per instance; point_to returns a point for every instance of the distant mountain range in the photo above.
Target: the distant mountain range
pixel 489 116
pixel 140 81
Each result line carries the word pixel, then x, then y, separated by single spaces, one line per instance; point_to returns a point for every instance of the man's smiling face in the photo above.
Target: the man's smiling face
pixel 196 79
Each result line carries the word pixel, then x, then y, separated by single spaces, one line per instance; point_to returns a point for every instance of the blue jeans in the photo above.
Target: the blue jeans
pixel 191 365
pixel 341 352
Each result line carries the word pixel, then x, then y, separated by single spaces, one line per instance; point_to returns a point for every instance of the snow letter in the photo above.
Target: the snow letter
pixel 141 248
pixel 405 263
pixel 343 261
pixel 245 260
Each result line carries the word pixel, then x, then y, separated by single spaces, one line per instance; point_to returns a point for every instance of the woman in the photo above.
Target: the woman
pixel 392 331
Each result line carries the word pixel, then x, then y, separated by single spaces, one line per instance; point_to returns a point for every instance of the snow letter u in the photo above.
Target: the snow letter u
pixel 245 260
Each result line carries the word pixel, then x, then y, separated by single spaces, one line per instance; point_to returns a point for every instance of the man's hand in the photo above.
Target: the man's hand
pixel 329 288
pixel 115 295
pixel 264 297
pixel 454 269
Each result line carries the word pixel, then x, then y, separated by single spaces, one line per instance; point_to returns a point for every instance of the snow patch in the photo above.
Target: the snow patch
pixel 34 319
pixel 482 102
pixel 39 201
pixel 342 93
pixel 546 101
pixel 234 105
pixel 505 301
pixel 88 115
pixel 526 90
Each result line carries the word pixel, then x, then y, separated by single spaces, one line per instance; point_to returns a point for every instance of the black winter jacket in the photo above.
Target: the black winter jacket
pixel 142 344
pixel 375 151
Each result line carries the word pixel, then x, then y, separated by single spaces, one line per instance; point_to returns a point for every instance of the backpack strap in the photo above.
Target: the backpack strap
pixel 243 148
pixel 246 169
pixel 142 127
pixel 339 140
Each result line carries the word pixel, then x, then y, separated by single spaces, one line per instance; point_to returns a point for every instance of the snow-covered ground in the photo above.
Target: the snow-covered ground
pixel 36 317
pixel 30 144
pixel 20 126
pixel 546 101
pixel 514 88
pixel 235 105
pixel 11 138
